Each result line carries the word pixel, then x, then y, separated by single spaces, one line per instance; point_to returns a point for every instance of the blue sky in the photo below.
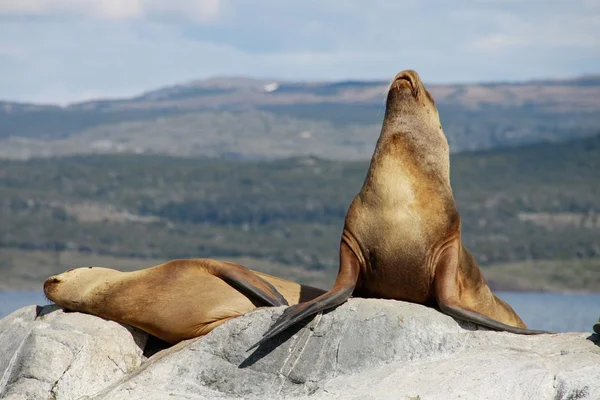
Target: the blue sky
pixel 69 50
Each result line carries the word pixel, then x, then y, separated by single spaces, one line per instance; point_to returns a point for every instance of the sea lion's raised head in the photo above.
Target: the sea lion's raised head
pixel 407 94
pixel 71 288
pixel 412 117
pixel 409 103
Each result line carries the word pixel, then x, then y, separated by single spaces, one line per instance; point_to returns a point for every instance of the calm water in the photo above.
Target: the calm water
pixel 547 311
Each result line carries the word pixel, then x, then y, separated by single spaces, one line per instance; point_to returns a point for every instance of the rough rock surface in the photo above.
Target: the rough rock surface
pixel 365 349
pixel 46 353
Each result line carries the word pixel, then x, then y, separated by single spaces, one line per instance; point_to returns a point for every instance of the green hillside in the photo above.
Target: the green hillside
pixel 536 202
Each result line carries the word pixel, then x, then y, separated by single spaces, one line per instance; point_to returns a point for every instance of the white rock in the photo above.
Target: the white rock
pixel 365 349
pixel 372 349
pixel 62 355
pixel 271 87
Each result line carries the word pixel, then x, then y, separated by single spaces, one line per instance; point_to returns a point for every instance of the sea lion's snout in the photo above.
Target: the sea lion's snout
pixel 409 79
pixel 49 284
pixel 50 281
pixel 405 76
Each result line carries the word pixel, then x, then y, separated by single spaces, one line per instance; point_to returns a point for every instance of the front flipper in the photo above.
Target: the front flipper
pixel 247 282
pixel 298 312
pixel 339 293
pixel 448 289
pixel 480 319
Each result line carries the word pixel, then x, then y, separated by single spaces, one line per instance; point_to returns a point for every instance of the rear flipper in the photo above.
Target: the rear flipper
pixel 247 282
pixel 339 293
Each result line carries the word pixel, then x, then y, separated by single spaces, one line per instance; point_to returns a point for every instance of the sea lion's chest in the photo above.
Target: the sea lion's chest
pixel 394 212
pixel 397 225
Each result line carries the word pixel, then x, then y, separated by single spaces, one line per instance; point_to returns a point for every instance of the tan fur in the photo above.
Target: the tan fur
pixel 405 211
pixel 178 300
pixel 401 238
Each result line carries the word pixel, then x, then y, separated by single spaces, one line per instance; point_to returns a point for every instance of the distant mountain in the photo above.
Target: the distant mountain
pixel 252 118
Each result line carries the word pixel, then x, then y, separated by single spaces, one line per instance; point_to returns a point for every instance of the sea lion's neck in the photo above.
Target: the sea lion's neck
pixel 415 155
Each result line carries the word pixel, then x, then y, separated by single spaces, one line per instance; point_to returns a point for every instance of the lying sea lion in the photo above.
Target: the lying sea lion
pixel 178 300
pixel 401 238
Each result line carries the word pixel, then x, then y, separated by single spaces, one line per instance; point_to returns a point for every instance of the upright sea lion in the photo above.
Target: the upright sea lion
pixel 401 238
pixel 178 300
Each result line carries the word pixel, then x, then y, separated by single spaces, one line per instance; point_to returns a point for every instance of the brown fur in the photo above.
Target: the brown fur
pixel 178 300
pixel 405 212
pixel 401 238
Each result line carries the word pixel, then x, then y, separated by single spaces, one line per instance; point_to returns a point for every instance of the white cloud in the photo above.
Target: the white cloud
pixel 197 10
pixel 551 27
pixel 123 47
pixel 110 9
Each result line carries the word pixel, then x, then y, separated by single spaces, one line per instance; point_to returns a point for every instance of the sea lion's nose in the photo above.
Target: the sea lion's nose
pixel 49 282
pixel 408 78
